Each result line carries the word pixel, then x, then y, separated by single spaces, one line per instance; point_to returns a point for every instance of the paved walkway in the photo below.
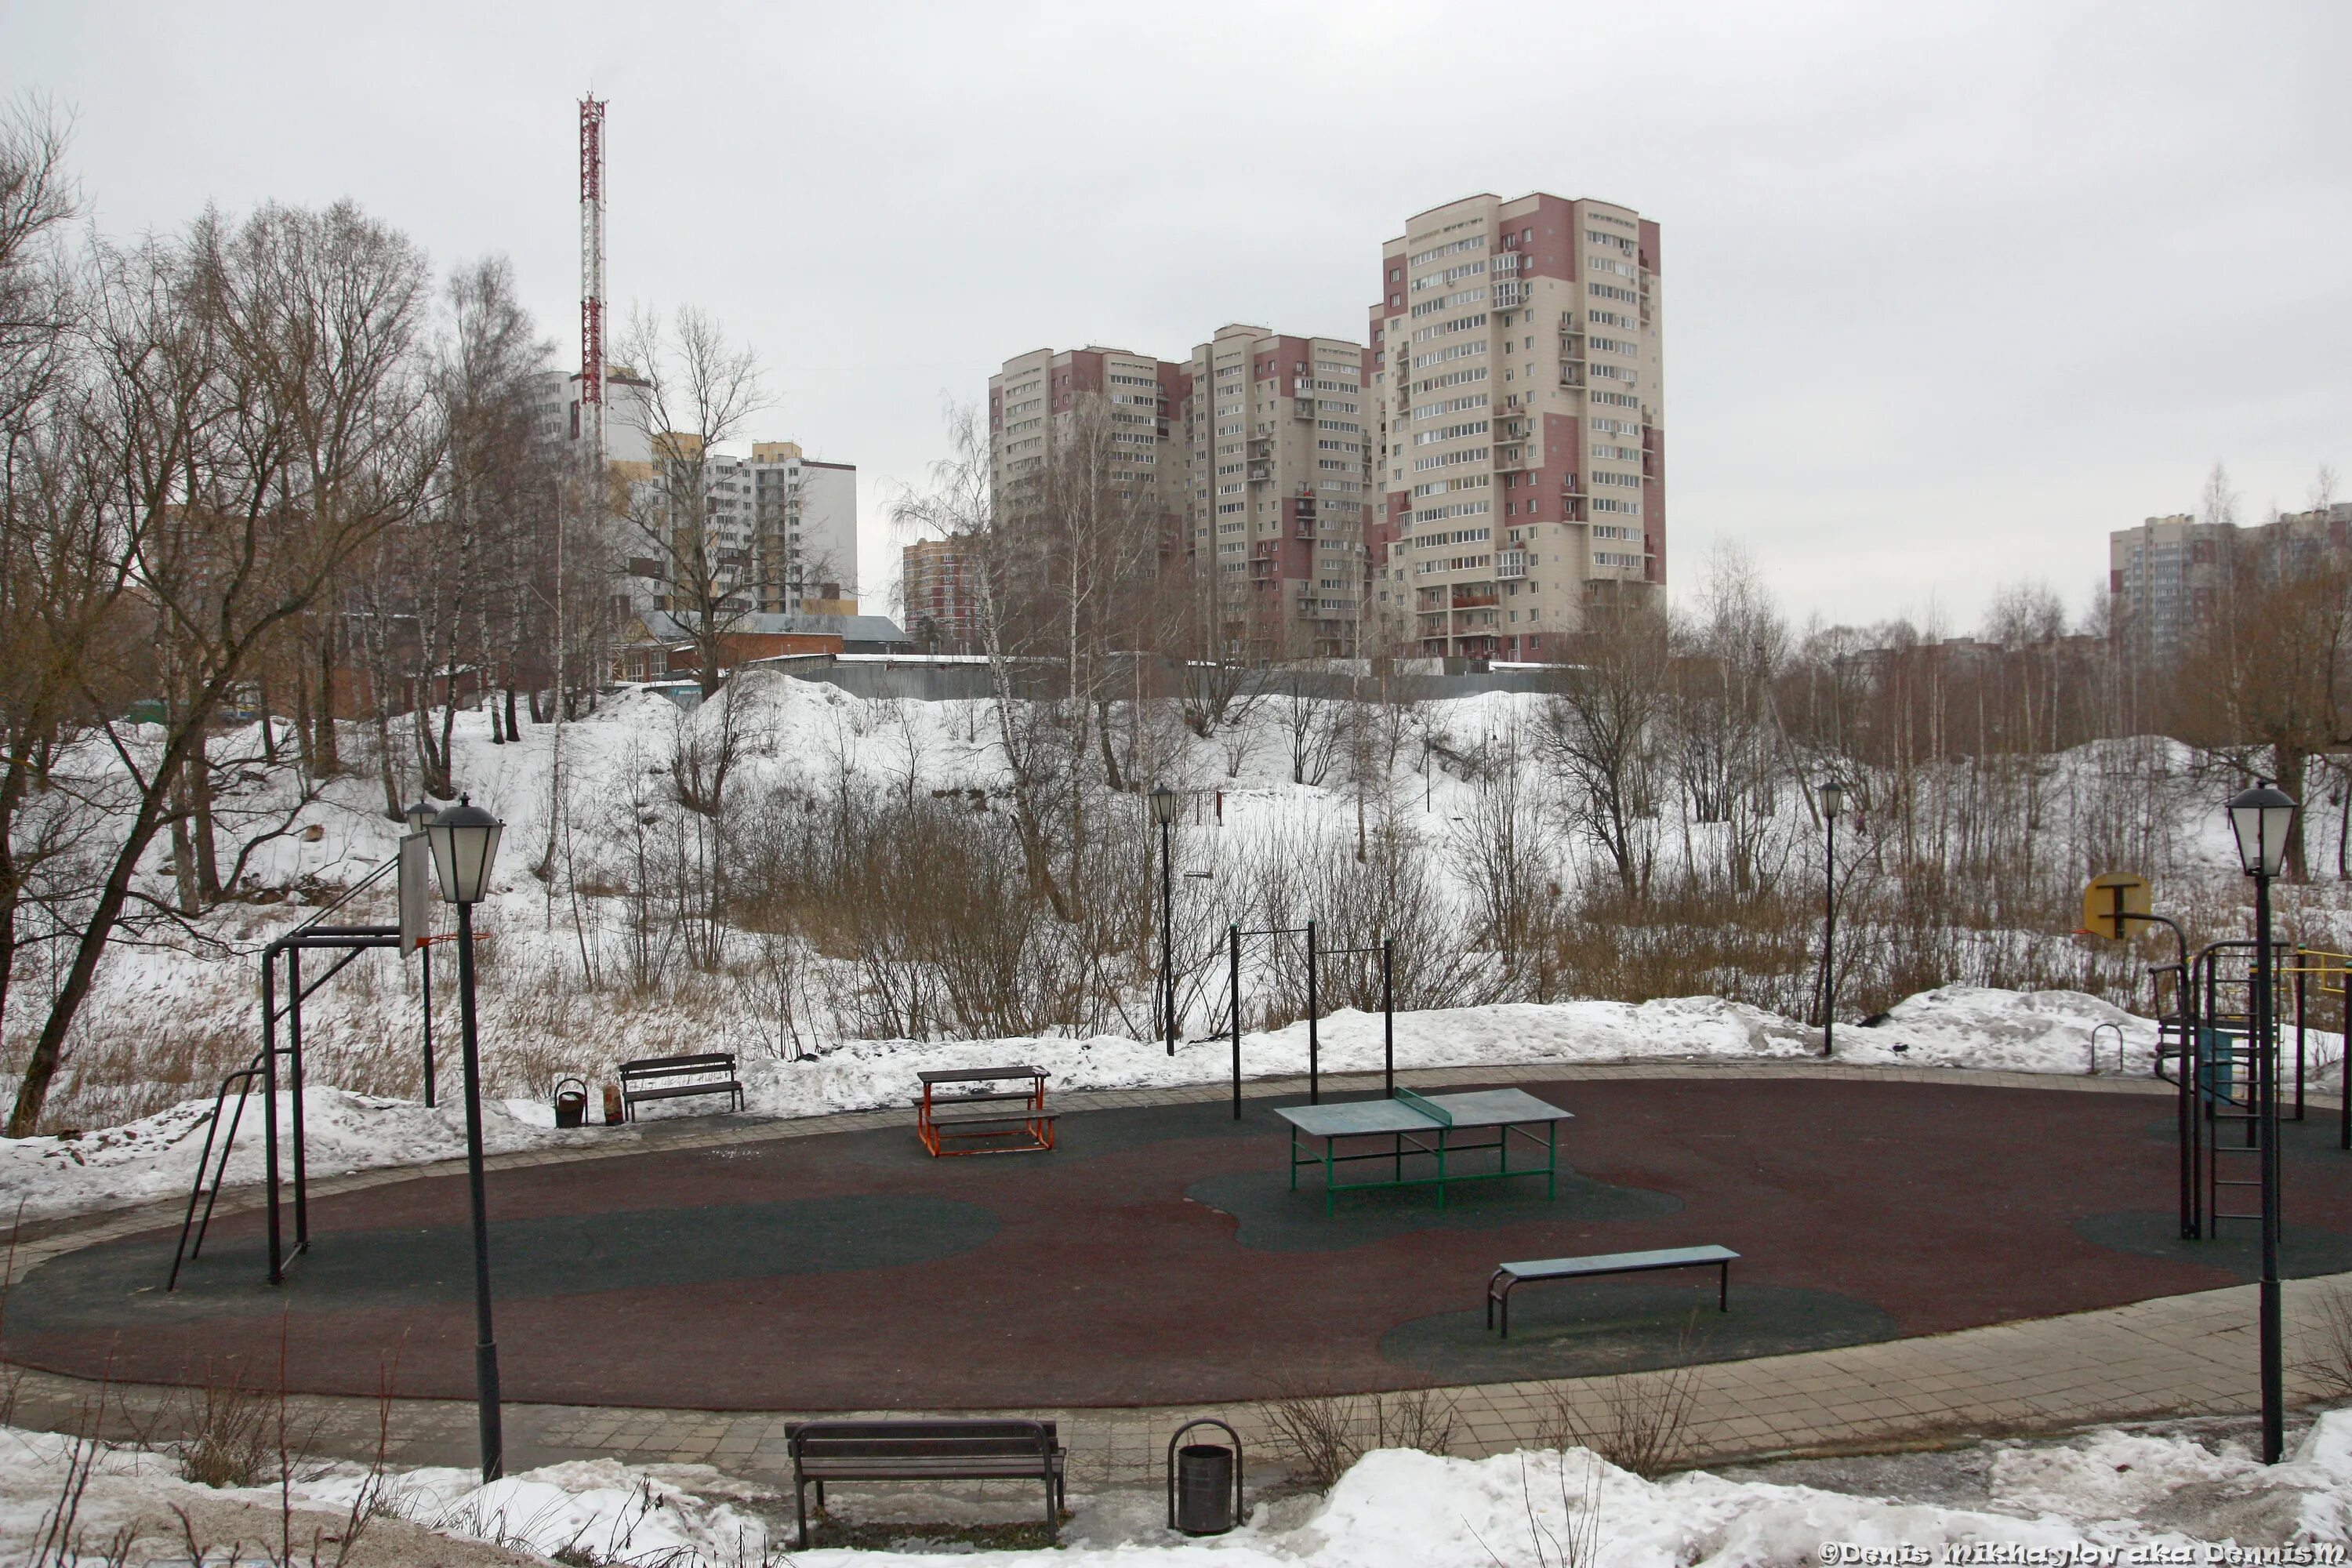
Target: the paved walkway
pixel 2178 1356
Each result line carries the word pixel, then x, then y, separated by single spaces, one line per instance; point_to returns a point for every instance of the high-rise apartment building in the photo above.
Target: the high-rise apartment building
pixel 780 530
pixel 1253 455
pixel 2170 575
pixel 780 522
pixel 1037 399
pixel 1278 468
pixel 939 593
pixel 1519 423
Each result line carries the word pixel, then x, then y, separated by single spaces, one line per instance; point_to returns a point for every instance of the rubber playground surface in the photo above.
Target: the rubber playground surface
pixel 1159 1256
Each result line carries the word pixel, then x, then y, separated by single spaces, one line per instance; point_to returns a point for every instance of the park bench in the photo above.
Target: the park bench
pixel 923 1451
pixel 1510 1276
pixel 988 1120
pixel 663 1073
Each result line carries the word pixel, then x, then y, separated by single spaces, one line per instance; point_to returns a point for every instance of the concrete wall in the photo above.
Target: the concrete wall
pixel 922 680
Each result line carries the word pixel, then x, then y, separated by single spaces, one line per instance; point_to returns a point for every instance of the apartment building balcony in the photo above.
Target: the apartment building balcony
pixel 1474 596
pixel 1510 565
pixel 1571 345
pixel 1260 472
pixel 1508 294
pixel 1571 374
pixel 1261 447
pixel 1302 408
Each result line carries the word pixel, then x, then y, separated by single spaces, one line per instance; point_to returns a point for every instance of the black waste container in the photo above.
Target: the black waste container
pixel 1204 1482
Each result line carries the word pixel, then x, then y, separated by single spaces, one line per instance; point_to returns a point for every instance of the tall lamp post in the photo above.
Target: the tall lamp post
pixel 1163 812
pixel 2261 817
pixel 1831 794
pixel 465 846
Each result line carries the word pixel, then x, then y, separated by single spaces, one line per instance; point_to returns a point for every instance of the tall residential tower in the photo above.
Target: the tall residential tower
pixel 1520 427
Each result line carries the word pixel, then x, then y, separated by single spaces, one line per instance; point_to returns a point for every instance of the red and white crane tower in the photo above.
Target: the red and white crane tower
pixel 592 275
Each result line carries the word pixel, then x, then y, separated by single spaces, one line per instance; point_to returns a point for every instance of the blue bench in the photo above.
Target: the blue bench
pixel 1511 1276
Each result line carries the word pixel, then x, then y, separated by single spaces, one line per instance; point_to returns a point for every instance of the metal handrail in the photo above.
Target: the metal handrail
pixel 204 1164
pixel 2118 1030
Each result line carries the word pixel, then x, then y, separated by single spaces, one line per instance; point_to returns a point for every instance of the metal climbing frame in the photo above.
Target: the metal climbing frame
pixel 2228 1081
pixel 1387 951
pixel 277 1066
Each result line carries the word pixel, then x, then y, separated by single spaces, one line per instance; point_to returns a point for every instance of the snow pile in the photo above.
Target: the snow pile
pixel 2024 1031
pixel 1396 1509
pixel 156 1156
pixel 868 1073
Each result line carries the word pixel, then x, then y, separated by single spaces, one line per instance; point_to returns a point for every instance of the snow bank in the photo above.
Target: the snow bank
pixel 1395 1508
pixel 1958 1027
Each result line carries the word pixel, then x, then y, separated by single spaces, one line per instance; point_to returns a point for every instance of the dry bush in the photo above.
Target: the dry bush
pixel 1643 1421
pixel 2329 1362
pixel 1574 1541
pixel 231 1431
pixel 1322 1435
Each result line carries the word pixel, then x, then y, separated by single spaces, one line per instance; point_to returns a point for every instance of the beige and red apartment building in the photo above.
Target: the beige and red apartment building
pixel 1517 423
pixel 939 591
pixel 1253 454
pixel 1035 401
pixel 1278 463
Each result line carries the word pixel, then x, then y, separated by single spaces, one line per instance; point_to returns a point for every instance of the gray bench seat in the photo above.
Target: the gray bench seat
pixel 1511 1276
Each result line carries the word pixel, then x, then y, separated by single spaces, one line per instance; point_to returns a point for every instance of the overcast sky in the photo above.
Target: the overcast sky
pixel 1949 291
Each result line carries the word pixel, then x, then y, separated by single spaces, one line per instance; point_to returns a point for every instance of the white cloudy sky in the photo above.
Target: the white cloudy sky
pixel 1951 289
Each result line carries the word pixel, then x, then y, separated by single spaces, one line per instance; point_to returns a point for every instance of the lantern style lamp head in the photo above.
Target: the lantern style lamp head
pixel 419 815
pixel 465 846
pixel 1833 797
pixel 2260 817
pixel 1163 805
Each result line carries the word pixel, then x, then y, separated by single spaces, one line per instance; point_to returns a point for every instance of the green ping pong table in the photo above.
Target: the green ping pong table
pixel 1424 1137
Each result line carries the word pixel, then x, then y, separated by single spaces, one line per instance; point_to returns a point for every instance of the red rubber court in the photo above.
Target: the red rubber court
pixel 1159 1256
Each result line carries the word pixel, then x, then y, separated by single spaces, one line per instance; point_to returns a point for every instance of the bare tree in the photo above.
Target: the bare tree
pixel 250 419
pixel 1601 737
pixel 701 390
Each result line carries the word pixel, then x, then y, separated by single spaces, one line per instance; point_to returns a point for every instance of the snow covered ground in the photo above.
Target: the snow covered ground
pixel 2107 1492
pixel 1958 1027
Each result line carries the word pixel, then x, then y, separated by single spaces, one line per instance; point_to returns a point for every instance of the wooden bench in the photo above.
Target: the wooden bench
pixel 1510 1276
pixel 923 1451
pixel 1019 1123
pixel 662 1071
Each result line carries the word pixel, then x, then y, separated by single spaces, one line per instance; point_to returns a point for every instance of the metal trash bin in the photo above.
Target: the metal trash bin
pixel 1204 1482
pixel 571 1104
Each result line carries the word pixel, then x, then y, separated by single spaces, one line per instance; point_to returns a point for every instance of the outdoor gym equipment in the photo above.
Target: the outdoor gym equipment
pixel 267 1071
pixel 1387 949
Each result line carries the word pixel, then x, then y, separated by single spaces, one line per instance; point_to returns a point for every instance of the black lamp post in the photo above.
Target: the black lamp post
pixel 465 846
pixel 1831 794
pixel 2261 817
pixel 1163 812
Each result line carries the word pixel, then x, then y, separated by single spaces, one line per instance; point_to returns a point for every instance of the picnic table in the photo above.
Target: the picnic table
pixel 981 1119
pixel 1422 1139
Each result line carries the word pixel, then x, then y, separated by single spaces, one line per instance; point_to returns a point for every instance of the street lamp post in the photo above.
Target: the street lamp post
pixel 465 841
pixel 2261 817
pixel 1833 800
pixel 1163 812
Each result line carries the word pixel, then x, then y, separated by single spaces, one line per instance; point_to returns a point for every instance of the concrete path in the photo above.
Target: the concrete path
pixel 2182 1355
